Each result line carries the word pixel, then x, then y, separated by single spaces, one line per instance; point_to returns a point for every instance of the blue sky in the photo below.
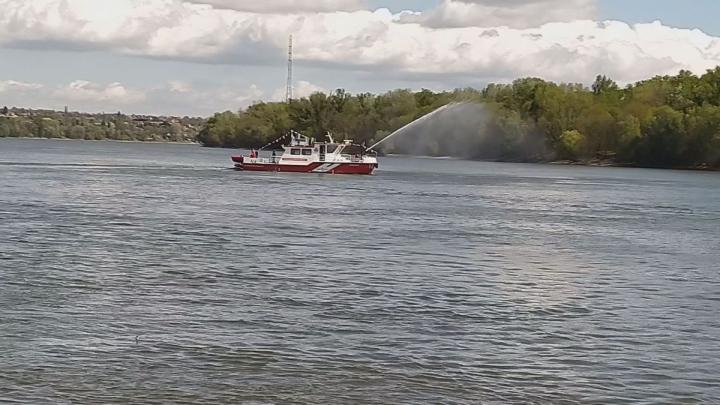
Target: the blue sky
pixel 702 14
pixel 399 5
pixel 187 60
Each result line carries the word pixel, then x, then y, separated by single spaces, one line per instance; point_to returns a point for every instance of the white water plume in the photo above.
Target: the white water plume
pixel 412 124
pixel 465 130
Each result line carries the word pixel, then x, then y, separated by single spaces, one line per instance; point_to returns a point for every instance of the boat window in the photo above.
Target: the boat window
pixel 353 150
pixel 331 148
pixel 307 152
pixel 295 151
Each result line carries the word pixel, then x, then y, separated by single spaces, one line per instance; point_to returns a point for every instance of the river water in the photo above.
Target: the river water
pixel 147 273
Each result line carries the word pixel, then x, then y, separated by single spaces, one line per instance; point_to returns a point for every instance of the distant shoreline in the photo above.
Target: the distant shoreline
pixel 595 163
pixel 584 163
pixel 102 140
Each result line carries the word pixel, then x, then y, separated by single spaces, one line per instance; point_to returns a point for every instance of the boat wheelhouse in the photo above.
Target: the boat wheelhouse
pixel 304 155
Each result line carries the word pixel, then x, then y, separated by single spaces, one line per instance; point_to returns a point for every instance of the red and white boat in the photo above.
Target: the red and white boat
pixel 304 155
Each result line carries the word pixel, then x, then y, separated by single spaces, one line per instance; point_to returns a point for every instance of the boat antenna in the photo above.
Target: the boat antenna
pixel 289 90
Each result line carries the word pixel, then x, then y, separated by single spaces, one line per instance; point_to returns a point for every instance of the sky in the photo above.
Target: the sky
pixel 197 57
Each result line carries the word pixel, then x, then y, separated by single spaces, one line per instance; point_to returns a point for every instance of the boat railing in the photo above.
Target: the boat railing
pixel 357 158
pixel 275 159
pixel 351 158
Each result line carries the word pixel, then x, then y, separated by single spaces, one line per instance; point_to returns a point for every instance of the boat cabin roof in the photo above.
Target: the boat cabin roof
pixel 347 148
pixel 298 140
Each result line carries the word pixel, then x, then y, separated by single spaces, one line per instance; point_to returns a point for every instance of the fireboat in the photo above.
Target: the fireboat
pixel 305 155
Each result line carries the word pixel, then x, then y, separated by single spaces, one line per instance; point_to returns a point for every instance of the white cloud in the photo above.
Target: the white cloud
pixel 284 6
pixel 571 51
pixel 203 100
pixel 496 13
pixel 193 99
pixel 179 86
pixel 495 45
pixel 248 96
pixel 305 89
pixel 12 86
pixel 301 89
pixel 84 91
pixel 174 97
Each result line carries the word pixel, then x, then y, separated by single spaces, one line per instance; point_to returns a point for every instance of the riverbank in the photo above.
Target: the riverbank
pixel 596 162
pixel 611 163
pixel 31 123
pixel 104 140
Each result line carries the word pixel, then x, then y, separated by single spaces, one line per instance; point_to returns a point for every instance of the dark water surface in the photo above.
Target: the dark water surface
pixel 433 281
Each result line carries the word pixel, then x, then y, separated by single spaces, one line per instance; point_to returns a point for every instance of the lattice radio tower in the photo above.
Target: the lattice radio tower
pixel 289 91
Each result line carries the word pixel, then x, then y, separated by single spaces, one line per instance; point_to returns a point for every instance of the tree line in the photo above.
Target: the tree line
pixel 27 123
pixel 666 121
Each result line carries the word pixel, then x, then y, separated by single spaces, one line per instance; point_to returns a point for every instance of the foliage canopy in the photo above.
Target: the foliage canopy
pixel 666 121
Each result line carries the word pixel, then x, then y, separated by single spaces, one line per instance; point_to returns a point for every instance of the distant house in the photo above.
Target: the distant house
pixel 143 121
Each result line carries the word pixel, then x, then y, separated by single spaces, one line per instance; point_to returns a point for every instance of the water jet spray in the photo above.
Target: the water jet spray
pixel 417 121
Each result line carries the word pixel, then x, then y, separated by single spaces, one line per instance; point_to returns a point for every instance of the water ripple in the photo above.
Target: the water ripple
pixel 147 274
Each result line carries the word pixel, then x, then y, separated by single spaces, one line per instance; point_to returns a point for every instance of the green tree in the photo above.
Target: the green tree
pixel 663 138
pixel 570 145
pixel 663 121
pixel 604 85
pixel 703 134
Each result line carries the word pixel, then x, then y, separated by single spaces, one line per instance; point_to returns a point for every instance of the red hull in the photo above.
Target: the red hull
pixel 316 167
